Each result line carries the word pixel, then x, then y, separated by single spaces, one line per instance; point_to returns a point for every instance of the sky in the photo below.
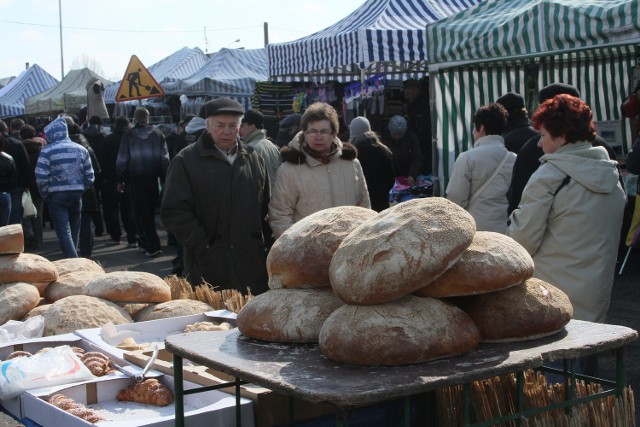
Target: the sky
pixel 104 34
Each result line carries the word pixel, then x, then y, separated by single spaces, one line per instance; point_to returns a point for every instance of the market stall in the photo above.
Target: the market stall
pixel 521 46
pixel 30 82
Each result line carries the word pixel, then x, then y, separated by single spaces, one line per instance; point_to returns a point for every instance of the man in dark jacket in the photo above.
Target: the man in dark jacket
pixel 143 158
pixel 216 202
pixel 15 149
pixel 519 129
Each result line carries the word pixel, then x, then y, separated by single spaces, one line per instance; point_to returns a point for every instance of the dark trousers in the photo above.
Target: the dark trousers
pixel 85 241
pixel 111 210
pixel 145 195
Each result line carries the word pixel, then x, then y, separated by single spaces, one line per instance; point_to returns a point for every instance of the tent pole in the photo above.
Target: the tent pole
pixel 362 87
pixel 625 261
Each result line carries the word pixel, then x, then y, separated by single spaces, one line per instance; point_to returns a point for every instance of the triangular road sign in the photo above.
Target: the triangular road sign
pixel 137 83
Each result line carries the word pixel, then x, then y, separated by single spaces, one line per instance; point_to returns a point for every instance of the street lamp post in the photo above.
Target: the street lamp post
pixel 61 53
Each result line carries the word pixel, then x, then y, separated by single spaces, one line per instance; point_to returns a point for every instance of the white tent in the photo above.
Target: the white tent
pixel 30 82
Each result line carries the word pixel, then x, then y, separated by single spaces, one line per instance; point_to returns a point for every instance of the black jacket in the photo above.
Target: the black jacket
pixel 15 149
pixel 8 173
pixel 377 167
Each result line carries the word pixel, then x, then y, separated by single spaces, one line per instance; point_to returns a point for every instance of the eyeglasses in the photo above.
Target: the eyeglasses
pixel 316 132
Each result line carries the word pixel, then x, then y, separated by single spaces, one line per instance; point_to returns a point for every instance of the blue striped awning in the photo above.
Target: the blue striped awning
pixel 30 82
pixel 388 31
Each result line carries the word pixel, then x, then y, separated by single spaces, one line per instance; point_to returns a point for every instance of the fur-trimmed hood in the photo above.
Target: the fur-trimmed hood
pixel 293 152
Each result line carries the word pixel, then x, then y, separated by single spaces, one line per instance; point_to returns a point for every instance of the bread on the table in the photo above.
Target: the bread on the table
pixel 149 391
pixel 527 311
pixel 287 315
pixel 175 308
pixel 300 257
pixel 28 268
pixel 11 239
pixel 129 286
pixel 16 300
pixel 400 250
pixel 493 261
pixel 82 312
pixel 71 265
pixel 71 283
pixel 401 332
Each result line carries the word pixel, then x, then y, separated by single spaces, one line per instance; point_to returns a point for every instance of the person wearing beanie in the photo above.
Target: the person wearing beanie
pixel 253 133
pixel 63 173
pixel 215 203
pixel 403 143
pixel 288 128
pixel 528 159
pixel 358 126
pixel 519 129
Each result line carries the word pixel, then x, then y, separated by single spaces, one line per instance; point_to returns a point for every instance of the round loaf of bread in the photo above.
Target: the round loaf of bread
pixel 39 310
pixel 129 286
pixel 493 261
pixel 287 315
pixel 301 256
pixel 401 332
pixel 175 308
pixel 81 312
pixel 72 283
pixel 527 311
pixel 133 308
pixel 28 268
pixel 11 239
pixel 400 250
pixel 16 300
pixel 71 265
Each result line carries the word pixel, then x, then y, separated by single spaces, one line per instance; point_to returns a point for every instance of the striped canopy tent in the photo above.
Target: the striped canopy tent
pixel 174 67
pixel 521 46
pixel 30 82
pixel 69 95
pixel 6 80
pixel 230 72
pixel 381 36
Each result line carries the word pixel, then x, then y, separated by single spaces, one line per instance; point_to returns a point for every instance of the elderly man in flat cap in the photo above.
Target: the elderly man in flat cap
pixel 216 202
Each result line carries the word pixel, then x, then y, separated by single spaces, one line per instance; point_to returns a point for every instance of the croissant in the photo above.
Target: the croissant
pixel 149 391
pixel 71 406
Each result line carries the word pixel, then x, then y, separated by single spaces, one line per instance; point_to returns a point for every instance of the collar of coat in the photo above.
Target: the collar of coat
pixel 293 153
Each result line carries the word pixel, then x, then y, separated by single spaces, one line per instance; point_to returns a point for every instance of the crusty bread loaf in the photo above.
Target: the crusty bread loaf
pixel 72 283
pixel 16 300
pixel 81 312
pixel 301 256
pixel 28 268
pixel 400 250
pixel 527 311
pixel 493 261
pixel 287 315
pixel 39 310
pixel 405 331
pixel 133 308
pixel 129 286
pixel 11 239
pixel 175 308
pixel 70 265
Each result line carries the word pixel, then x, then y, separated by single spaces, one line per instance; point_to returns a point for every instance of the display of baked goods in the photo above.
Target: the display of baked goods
pixel 77 409
pixel 149 391
pixel 129 286
pixel 98 363
pixel 130 344
pixel 208 326
pixel 11 239
pixel 16 300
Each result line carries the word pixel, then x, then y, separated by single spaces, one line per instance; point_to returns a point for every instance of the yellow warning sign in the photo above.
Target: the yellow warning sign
pixel 137 83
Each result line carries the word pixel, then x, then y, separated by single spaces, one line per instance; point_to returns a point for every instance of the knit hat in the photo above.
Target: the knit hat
pixel 511 101
pixel 56 131
pixel 397 125
pixel 223 106
pixel 291 120
pixel 358 126
pixel 254 117
pixel 554 89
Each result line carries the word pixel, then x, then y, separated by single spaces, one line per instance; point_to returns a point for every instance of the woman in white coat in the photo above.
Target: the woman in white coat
pixel 571 210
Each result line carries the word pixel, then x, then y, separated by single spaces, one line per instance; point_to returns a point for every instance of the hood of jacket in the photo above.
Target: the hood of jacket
pixel 57 131
pixel 195 124
pixel 92 130
pixel 255 136
pixel 293 153
pixel 588 165
pixel 142 132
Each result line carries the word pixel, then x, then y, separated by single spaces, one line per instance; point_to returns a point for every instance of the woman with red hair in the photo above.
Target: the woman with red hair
pixel 570 215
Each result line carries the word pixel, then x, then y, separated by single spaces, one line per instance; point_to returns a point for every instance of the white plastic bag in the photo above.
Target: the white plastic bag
pixel 28 208
pixel 14 330
pixel 56 366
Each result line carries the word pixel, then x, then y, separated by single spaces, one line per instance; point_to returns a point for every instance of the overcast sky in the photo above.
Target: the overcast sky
pixel 104 34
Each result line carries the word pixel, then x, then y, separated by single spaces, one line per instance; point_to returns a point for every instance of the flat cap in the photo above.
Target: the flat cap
pixel 223 106
pixel 511 101
pixel 554 89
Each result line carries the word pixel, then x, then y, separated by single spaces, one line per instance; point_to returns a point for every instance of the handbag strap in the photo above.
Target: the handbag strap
pixel 491 178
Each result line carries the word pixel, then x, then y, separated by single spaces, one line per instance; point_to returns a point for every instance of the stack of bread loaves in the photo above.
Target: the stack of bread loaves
pixel 395 275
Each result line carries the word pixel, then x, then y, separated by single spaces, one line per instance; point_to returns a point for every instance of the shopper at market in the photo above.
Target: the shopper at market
pixel 215 202
pixel 8 178
pixel 403 143
pixel 253 133
pixel 571 211
pixel 319 172
pixel 416 93
pixel 33 225
pixel 15 148
pixel 481 176
pixel 288 129
pixel 519 129
pixel 376 161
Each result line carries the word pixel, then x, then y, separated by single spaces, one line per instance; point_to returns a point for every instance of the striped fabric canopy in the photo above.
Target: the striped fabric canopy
pixel 486 51
pixel 28 83
pixel 174 67
pixel 386 36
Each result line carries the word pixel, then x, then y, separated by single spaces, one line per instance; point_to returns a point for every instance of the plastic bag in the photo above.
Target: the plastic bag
pixel 28 208
pixel 15 330
pixel 57 366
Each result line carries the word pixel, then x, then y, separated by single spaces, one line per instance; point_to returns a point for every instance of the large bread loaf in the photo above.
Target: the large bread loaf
pixel 301 256
pixel 27 267
pixel 81 312
pixel 11 239
pixel 129 286
pixel 405 331
pixel 492 262
pixel 175 308
pixel 400 250
pixel 287 315
pixel 16 300
pixel 527 311
pixel 70 265
pixel 72 283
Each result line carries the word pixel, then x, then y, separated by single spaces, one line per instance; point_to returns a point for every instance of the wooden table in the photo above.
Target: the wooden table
pixel 300 370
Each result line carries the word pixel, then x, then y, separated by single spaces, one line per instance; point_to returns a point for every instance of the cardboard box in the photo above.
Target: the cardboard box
pixel 270 408
pixel 152 332
pixel 206 409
